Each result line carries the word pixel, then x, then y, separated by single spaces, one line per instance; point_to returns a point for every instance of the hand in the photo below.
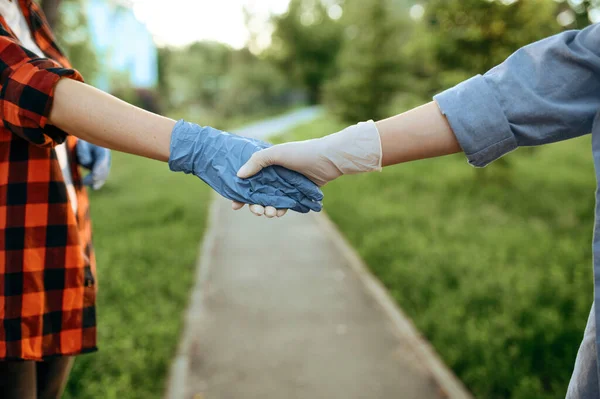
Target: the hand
pixel 259 210
pixel 215 157
pixel 97 160
pixel 356 149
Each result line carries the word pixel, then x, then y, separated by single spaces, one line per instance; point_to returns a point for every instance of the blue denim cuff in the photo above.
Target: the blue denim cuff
pixel 477 120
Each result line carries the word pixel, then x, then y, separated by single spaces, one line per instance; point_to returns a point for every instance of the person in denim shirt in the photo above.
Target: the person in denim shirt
pixel 545 92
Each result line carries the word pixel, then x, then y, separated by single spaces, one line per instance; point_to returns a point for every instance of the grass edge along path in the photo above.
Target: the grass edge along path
pixel 147 224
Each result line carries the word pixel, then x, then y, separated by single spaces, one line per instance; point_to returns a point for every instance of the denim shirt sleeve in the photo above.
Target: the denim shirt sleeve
pixel 545 92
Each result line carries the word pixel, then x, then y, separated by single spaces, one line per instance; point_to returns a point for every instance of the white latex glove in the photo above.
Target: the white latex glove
pixel 356 149
pixel 259 210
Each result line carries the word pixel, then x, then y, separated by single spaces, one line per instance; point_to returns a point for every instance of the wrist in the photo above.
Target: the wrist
pixel 420 133
pixel 356 149
pixel 183 145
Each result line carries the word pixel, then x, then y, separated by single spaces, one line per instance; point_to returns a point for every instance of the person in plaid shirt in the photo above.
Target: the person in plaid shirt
pixel 47 265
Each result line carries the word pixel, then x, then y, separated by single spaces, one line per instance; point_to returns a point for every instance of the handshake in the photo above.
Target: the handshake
pixel 273 179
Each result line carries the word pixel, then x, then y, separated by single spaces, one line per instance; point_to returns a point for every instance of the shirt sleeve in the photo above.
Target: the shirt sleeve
pixel 545 92
pixel 27 91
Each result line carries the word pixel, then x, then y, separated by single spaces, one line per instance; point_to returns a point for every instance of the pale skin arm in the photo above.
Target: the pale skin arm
pixel 104 120
pixel 420 133
pixel 417 134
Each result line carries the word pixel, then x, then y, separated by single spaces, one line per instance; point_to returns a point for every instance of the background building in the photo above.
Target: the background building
pixel 125 49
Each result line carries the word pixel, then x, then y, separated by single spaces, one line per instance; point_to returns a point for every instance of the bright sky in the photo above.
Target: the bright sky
pixel 180 22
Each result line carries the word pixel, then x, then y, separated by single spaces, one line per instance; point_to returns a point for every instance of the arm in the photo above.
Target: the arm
pixel 40 101
pixel 39 105
pixel 104 120
pixel 208 153
pixel 417 134
pixel 545 92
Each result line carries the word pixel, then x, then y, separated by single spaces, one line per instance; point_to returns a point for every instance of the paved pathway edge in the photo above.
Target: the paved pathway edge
pixel 405 329
pixel 177 380
pixel 451 386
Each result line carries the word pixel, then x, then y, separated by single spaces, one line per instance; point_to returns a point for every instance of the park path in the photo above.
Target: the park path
pixel 284 309
pixel 270 127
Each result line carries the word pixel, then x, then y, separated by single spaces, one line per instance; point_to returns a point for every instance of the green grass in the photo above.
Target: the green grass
pixel 494 267
pixel 148 223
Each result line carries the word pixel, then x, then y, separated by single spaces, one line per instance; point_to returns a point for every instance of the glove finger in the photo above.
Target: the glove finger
pixel 272 189
pixel 312 205
pixel 285 189
pixel 276 201
pixel 235 205
pixel 88 180
pixel 300 182
pixel 84 154
pixel 300 208
pixel 270 212
pixel 258 210
pixel 255 164
pixel 98 184
pixel 100 171
pixel 281 212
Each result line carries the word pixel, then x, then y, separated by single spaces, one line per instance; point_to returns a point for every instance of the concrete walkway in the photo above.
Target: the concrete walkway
pixel 277 125
pixel 284 309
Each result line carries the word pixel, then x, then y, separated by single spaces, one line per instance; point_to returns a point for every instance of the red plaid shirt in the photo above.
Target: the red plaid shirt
pixel 47 267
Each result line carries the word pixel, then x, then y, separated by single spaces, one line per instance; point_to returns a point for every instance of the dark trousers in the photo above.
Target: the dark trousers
pixel 34 380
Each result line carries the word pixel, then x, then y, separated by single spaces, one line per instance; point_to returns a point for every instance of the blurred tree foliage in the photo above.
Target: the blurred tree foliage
pixel 385 54
pixel 467 37
pixel 212 78
pixel 164 87
pixel 70 25
pixel 369 67
pixel 197 74
pixel 252 84
pixel 583 10
pixel 305 44
pixel 50 8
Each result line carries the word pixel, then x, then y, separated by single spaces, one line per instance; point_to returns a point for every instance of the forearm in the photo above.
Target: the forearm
pixel 101 119
pixel 420 133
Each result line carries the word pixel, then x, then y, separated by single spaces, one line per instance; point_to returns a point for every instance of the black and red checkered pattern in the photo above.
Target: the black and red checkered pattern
pixel 47 266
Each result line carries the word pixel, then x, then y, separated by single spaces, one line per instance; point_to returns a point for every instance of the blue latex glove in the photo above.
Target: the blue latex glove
pixel 97 160
pixel 215 157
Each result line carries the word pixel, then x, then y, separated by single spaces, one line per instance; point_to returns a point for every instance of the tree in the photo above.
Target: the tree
pixel 467 37
pixel 253 85
pixel 165 55
pixel 197 74
pixel 51 9
pixel 305 44
pixel 369 67
pixel 70 25
pixel 582 10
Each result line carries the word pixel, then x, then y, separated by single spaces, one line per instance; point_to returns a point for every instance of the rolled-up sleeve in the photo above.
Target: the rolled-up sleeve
pixel 545 92
pixel 27 92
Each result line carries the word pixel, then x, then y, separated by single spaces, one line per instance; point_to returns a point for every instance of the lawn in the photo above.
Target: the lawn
pixel 494 267
pixel 148 223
